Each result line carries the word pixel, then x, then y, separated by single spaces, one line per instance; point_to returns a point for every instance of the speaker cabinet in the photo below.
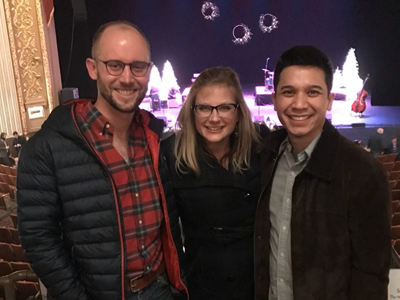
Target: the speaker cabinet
pixel 358 125
pixel 67 94
pixel 79 10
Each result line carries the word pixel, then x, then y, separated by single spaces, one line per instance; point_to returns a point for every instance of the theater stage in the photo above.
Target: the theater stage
pixel 352 127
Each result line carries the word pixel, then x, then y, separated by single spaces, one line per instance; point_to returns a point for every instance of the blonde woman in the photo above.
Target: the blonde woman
pixel 215 171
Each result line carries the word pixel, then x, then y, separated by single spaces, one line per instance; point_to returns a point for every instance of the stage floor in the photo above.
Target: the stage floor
pixel 374 116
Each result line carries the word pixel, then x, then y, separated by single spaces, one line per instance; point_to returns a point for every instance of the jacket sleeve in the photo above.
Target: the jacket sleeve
pixel 3 145
pixel 40 222
pixel 369 219
pixel 166 152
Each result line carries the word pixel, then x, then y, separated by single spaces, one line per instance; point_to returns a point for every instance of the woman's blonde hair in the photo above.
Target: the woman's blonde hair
pixel 189 144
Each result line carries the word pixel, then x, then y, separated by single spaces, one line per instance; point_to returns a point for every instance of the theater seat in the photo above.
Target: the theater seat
pixel 395 205
pixel 391 157
pixel 394 175
pixel 15 236
pixel 388 166
pixel 6 252
pixel 396 219
pixel 5 268
pixel 25 289
pixel 395 232
pixel 19 252
pixel 14 219
pixel 5 235
pixel 395 194
pixel 397 186
pixel 13 171
pixel 381 158
pixel 5 169
pixel 392 184
pixel 13 179
pixel 4 178
pixel 18 266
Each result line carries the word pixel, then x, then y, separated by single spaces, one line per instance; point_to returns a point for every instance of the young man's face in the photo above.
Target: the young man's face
pixel 124 92
pixel 301 101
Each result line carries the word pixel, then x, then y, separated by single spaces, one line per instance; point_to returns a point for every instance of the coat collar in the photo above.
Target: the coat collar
pixel 324 156
pixel 323 159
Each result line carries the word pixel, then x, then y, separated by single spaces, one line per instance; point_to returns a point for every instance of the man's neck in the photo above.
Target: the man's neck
pixel 120 121
pixel 299 144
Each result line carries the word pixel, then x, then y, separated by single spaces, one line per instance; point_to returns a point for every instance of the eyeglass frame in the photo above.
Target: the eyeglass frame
pixel 236 105
pixel 105 62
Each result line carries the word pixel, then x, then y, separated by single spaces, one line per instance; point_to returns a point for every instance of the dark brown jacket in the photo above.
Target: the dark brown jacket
pixel 340 223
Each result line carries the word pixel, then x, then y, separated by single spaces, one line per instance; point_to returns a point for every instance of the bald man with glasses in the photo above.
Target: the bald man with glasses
pixel 97 217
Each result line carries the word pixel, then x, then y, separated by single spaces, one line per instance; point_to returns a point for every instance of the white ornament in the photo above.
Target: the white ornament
pixel 274 23
pixel 214 10
pixel 245 38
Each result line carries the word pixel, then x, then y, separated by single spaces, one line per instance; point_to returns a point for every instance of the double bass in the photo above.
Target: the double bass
pixel 359 105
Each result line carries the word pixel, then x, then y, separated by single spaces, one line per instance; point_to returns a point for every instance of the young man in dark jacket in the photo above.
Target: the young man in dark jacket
pixel 322 228
pixel 18 142
pixel 94 219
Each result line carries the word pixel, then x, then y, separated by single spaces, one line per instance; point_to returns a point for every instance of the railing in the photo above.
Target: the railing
pixel 8 282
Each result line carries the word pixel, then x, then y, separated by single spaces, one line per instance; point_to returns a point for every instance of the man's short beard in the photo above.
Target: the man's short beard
pixel 114 104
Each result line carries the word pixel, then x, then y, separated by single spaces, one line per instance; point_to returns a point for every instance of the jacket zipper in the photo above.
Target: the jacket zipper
pixel 116 204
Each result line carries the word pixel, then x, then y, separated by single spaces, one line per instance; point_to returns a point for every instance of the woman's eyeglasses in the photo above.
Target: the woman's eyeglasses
pixel 223 110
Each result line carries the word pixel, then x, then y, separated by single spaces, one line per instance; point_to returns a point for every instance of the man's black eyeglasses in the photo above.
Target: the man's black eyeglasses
pixel 116 67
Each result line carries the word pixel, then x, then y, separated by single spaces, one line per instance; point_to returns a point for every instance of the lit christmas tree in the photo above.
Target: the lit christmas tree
pixel 169 81
pixel 350 77
pixel 155 79
pixel 337 81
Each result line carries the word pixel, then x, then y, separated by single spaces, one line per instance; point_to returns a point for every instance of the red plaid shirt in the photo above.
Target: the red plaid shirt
pixel 136 186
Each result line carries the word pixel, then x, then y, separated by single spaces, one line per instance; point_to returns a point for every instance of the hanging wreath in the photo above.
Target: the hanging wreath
pixel 214 10
pixel 246 35
pixel 274 23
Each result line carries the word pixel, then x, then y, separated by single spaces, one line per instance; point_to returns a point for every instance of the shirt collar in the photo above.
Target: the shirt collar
pixel 95 119
pixel 303 155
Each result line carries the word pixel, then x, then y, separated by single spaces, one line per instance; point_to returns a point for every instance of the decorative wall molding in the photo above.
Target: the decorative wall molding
pixel 28 46
pixel 10 118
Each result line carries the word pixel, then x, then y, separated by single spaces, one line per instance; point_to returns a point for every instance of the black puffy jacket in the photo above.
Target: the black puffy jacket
pixel 68 211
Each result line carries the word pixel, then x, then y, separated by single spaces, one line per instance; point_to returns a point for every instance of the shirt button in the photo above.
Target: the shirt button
pixel 282 254
pixel 136 195
pixel 107 125
pixel 293 173
pixel 287 200
pixel 140 222
pixel 284 227
pixel 100 133
pixel 142 246
pixel 281 279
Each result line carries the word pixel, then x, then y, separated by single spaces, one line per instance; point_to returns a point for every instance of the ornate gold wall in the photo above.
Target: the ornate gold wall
pixel 35 71
pixel 9 109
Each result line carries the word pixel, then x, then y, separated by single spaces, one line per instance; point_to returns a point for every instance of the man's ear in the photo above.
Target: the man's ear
pixel 330 99
pixel 274 100
pixel 92 68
